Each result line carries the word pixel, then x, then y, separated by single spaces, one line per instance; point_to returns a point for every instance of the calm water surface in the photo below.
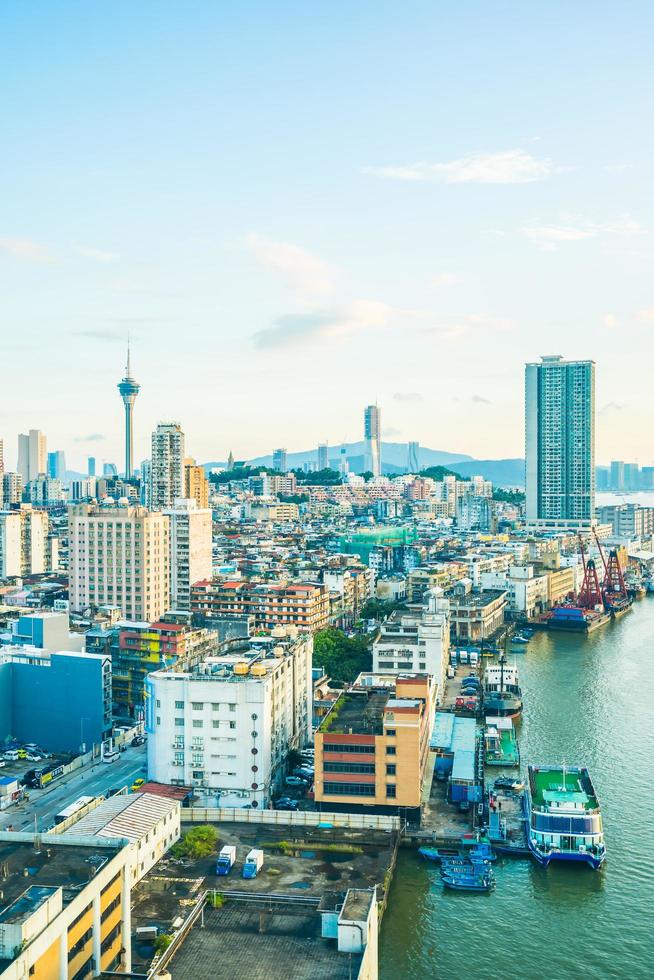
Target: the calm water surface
pixel 588 700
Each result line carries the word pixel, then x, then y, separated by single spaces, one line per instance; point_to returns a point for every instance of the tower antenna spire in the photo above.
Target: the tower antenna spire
pixel 128 369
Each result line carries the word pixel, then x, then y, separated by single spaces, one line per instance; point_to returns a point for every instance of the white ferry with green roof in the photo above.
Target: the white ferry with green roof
pixel 564 816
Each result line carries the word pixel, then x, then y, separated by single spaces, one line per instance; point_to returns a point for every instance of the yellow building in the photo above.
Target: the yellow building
pixel 371 749
pixel 70 918
pixel 196 485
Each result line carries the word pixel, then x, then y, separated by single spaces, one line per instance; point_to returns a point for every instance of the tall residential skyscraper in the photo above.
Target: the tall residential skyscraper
pixel 560 442
pixel 413 457
pixel 32 455
pixel 323 456
pixel 166 465
pixel 90 466
pixel 129 389
pixel 279 460
pixel 343 466
pixel 372 434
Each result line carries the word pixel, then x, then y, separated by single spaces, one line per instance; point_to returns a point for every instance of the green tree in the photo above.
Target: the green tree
pixel 342 657
pixel 508 496
pixel 438 472
pixel 380 608
pixel 199 842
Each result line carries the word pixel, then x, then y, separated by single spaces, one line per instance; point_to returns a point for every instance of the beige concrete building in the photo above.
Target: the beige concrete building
pixel 196 485
pixel 371 749
pixel 119 556
pixel 190 550
pixel 24 542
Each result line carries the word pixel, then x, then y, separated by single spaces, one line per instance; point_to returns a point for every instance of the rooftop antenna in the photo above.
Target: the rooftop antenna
pixel 129 357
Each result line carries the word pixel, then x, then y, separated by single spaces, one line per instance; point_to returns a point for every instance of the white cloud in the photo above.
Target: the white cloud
pixel 302 270
pixel 444 279
pixel 100 255
pixel 549 237
pixel 297 329
pixel 26 249
pixel 610 321
pixel 507 167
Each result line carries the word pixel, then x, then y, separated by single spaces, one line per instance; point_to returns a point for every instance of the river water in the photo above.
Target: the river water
pixel 588 700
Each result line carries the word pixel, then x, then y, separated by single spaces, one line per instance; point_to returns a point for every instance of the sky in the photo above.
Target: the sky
pixel 296 209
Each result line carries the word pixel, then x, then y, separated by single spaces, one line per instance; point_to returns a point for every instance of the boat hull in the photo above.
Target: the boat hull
pixel 571 858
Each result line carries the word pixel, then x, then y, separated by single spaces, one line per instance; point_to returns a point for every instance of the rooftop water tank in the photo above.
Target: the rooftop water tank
pixel 241 667
pixel 258 670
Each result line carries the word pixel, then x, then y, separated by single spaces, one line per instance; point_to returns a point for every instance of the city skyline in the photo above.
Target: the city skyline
pixel 249 255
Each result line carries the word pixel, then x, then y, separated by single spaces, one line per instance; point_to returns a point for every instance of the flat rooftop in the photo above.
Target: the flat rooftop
pixel 55 865
pixel 556 787
pixel 477 600
pixel 249 941
pixel 357 713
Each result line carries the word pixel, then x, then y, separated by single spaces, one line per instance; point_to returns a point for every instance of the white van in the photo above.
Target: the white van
pixel 11 756
pixel 111 757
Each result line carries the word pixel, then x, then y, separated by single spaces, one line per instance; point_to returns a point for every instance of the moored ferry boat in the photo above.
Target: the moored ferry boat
pixel 564 816
pixel 502 694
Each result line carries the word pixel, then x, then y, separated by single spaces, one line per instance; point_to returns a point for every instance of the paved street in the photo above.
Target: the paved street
pixel 90 781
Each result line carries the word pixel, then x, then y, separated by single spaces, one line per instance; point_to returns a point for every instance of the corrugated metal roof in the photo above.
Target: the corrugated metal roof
pixel 131 816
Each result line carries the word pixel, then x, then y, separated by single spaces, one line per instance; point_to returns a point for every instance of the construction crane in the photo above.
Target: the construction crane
pixel 614 590
pixel 590 594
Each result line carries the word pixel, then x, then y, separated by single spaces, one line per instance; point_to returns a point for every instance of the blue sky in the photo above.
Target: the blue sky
pixel 298 208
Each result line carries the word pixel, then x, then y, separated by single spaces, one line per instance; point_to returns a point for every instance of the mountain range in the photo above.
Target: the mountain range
pixel 502 472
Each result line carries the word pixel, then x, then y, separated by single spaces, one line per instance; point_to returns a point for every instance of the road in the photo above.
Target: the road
pixel 91 781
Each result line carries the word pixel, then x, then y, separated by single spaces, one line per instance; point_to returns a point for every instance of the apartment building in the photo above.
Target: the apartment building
pixel 527 592
pixel 119 555
pixel 190 550
pixel 560 443
pixel 476 615
pixel 416 640
pixel 166 466
pixel 137 649
pixel 352 587
pixel 71 916
pixel 24 542
pixel 226 726
pixel 12 488
pixel 196 485
pixel 372 747
pixel 301 604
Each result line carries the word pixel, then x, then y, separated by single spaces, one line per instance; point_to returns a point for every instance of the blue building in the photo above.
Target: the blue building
pixel 61 701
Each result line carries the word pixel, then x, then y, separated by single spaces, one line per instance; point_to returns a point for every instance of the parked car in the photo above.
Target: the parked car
pixel 34 757
pixel 304 771
pixel 11 756
pixel 296 781
pixel 2 763
pixel 290 805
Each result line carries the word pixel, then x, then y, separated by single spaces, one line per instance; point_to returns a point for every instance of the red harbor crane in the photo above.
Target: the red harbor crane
pixel 590 595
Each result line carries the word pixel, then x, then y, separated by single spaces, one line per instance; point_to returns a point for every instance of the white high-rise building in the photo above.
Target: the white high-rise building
pixel 413 457
pixel 372 435
pixel 560 443
pixel 32 455
pixel 226 726
pixel 23 542
pixel 119 556
pixel 190 550
pixel 167 466
pixel 323 456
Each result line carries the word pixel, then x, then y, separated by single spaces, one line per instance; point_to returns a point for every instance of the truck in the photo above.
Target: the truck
pixel 226 859
pixel 253 863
